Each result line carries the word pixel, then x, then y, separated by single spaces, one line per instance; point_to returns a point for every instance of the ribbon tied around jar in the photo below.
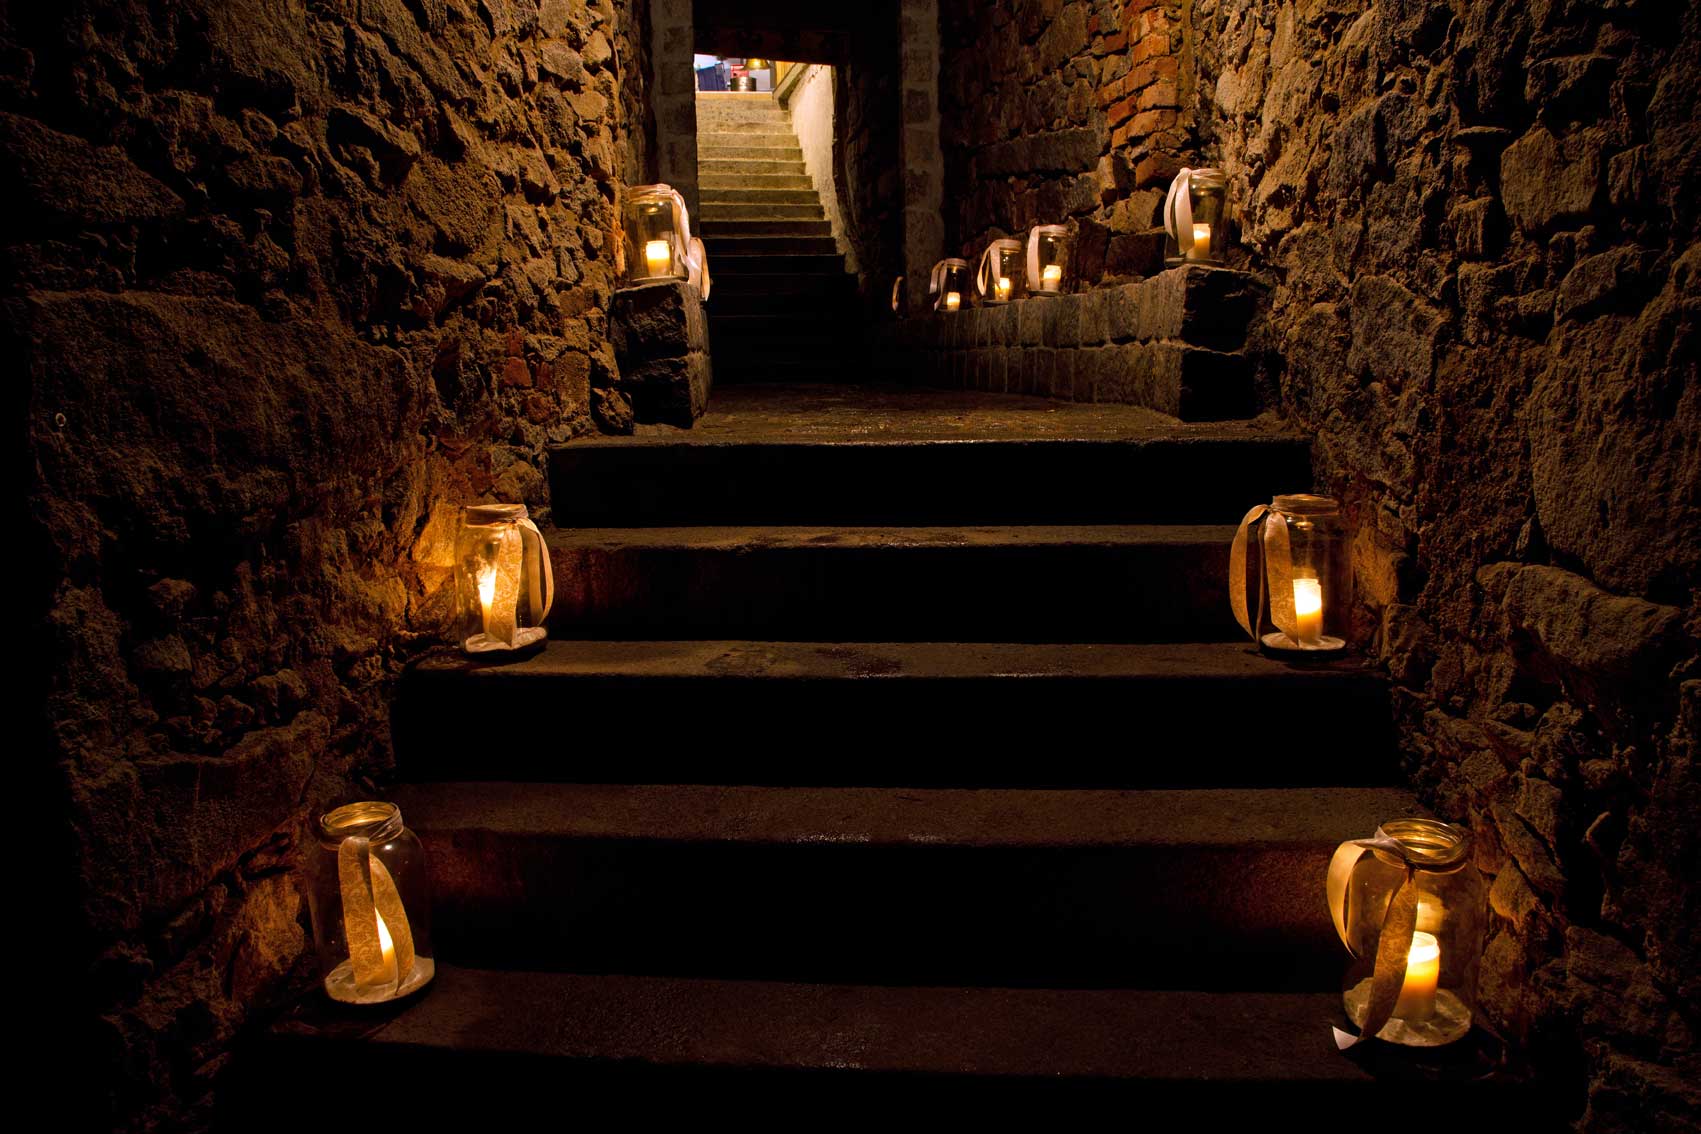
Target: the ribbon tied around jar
pixel 1275 580
pixel 375 924
pixel 1393 941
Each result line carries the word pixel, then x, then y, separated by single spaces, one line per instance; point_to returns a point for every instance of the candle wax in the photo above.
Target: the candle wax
pixel 1308 609
pixel 486 595
pixel 658 256
pixel 1423 974
pixel 1051 276
pixel 1201 242
pixel 953 301
pixel 1002 288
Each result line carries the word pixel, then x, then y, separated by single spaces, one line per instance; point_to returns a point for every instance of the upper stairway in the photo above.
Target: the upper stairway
pixel 782 302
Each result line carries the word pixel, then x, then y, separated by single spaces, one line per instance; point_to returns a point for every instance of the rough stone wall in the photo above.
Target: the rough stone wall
pixel 809 104
pixel 1078 111
pixel 869 175
pixel 289 284
pixel 1480 224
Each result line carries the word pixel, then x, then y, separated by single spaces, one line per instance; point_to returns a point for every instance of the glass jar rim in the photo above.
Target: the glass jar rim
pixel 1428 844
pixel 1305 504
pixel 1006 244
pixel 1207 177
pixel 954 262
pixel 375 819
pixel 483 514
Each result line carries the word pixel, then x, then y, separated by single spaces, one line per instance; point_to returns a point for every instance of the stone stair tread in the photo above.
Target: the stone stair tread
pixel 780 536
pixel 1231 1053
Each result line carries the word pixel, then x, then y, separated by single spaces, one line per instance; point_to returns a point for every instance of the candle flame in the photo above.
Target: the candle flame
pixel 1307 596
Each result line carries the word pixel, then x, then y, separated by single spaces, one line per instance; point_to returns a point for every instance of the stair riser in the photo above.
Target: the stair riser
pixel 1167 481
pixel 1208 917
pixel 734 304
pixel 1156 721
pixel 716 231
pixel 719 182
pixel 769 247
pixel 727 263
pixel 851 588
pixel 717 198
pixel 718 213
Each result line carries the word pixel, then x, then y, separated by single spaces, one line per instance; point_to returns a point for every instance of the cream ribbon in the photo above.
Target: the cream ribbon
pixel 370 893
pixel 1393 940
pixel 937 278
pixel 1178 210
pixel 542 581
pixel 697 265
pixel 1275 578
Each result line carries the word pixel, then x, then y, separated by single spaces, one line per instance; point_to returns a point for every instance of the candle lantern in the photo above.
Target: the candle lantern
pixel 949 284
pixel 1410 907
pixel 1302 572
pixel 370 901
pixel 999 279
pixel 1048 259
pixel 1194 213
pixel 503 582
pixel 658 229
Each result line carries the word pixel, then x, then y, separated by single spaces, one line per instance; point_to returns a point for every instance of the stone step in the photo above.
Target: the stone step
pixel 1155 706
pixel 749 169
pixel 829 302
pixel 743 196
pixel 711 181
pixel 864 465
pixel 770 246
pixel 716 232
pixel 721 152
pixel 793 369
pixel 760 136
pixel 1203 888
pixel 720 212
pixel 1228 1060
pixel 728 263
pixel 769 327
pixel 1069 583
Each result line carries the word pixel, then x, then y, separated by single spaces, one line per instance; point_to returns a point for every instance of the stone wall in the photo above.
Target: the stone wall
pixel 1075 112
pixel 290 284
pixel 1480 227
pixel 808 102
pixel 870 177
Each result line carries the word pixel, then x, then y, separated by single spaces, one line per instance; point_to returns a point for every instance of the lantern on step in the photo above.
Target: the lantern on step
pixel 503 582
pixel 949 284
pixel 1194 215
pixel 698 263
pixel 658 230
pixel 1410 907
pixel 1000 277
pixel 1290 577
pixel 370 901
pixel 1048 259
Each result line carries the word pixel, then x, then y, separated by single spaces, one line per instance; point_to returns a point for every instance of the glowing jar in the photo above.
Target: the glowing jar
pixel 1000 276
pixel 503 582
pixel 1048 259
pixel 949 284
pixel 657 231
pixel 1411 908
pixel 1195 216
pixel 370 900
pixel 1291 586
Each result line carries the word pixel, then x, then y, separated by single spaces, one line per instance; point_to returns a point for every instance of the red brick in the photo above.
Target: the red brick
pixel 1120 112
pixel 1155 169
pixel 1149 120
pixel 1159 94
pixel 1162 67
pixel 1148 47
pixel 1116 44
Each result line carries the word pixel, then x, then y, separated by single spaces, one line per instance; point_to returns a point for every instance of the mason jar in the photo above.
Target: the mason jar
pixel 999 279
pixel 1195 217
pixel 949 284
pixel 656 235
pixel 1048 259
pixel 504 585
pixel 370 901
pixel 1431 999
pixel 1305 601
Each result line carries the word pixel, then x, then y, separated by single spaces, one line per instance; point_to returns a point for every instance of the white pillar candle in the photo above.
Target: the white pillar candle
pixel 1051 277
pixel 1308 609
pixel 1423 974
pixel 953 301
pixel 486 595
pixel 1201 243
pixel 658 254
pixel 1001 289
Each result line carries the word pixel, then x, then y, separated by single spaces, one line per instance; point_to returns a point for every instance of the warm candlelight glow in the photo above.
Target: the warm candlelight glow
pixel 1002 288
pixel 387 948
pixel 1423 973
pixel 1051 277
pixel 486 594
pixel 953 301
pixel 1201 242
pixel 1308 609
pixel 659 256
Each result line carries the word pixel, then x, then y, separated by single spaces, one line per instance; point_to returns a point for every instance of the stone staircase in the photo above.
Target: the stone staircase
pixel 889 748
pixel 782 301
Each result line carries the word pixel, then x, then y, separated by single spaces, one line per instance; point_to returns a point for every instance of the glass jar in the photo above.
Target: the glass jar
pixel 1195 216
pixel 370 900
pixel 1411 908
pixel 949 284
pixel 1302 570
pixel 1048 259
pixel 999 279
pixel 657 228
pixel 503 582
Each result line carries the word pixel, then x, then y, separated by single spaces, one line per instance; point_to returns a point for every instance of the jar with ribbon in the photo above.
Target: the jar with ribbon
pixel 658 232
pixel 949 284
pixel 370 901
pixel 1411 908
pixel 503 582
pixel 1300 570
pixel 999 278
pixel 1195 212
pixel 1048 259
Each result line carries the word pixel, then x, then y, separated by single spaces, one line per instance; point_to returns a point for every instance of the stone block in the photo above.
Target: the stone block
pixel 1094 317
pixel 1030 321
pixel 1213 385
pixel 1063 329
pixel 1548 183
pixel 668 391
pixel 655 321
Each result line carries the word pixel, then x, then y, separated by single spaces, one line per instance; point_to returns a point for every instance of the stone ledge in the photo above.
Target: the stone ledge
pixel 660 334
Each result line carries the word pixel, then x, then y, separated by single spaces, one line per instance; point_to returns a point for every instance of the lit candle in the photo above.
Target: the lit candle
pixel 659 256
pixel 1002 288
pixel 1051 277
pixel 1201 242
pixel 1423 973
pixel 387 949
pixel 953 301
pixel 1308 609
pixel 486 595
